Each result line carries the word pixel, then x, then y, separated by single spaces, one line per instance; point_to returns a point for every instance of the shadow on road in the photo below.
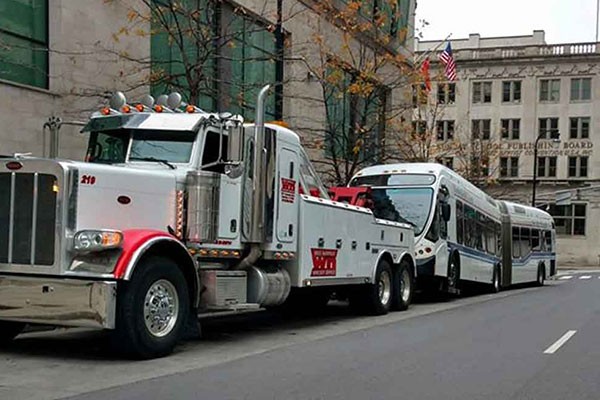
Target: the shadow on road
pixel 82 344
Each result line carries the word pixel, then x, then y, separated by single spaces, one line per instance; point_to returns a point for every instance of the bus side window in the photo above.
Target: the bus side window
pixel 535 240
pixel 498 239
pixel 525 242
pixel 548 241
pixel 515 242
pixel 460 221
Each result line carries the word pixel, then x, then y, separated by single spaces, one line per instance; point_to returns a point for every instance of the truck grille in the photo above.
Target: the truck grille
pixel 27 218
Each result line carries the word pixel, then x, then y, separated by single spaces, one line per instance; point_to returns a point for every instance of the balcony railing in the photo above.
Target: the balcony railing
pixel 512 52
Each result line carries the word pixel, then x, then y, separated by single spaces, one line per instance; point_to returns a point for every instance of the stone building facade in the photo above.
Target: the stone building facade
pixel 513 93
pixel 63 58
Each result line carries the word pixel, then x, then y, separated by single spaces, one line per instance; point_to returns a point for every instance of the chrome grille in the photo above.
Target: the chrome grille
pixel 27 218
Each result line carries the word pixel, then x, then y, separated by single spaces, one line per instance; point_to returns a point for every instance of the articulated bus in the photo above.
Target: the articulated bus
pixel 461 233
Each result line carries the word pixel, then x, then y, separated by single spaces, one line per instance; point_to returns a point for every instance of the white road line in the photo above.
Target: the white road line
pixel 585 277
pixel 557 345
pixel 564 278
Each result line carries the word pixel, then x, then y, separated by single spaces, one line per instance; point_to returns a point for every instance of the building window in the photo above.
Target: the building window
pixel 569 220
pixel 550 90
pixel 24 42
pixel 579 128
pixel 578 167
pixel 445 130
pixel 353 117
pixel 419 127
pixel 511 129
pixel 581 89
pixel 482 92
pixel 224 74
pixel 548 128
pixel 509 167
pixel 546 167
pixel 419 95
pixel 480 167
pixel 511 92
pixel 480 129
pixel 446 93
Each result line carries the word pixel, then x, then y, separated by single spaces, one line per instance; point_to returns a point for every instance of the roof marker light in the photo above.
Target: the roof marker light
pixel 139 107
pixel 105 111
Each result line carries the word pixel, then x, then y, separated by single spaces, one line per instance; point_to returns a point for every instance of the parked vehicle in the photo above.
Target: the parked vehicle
pixel 461 233
pixel 177 214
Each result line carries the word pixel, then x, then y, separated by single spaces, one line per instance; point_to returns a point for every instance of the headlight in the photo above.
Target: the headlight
pixel 97 240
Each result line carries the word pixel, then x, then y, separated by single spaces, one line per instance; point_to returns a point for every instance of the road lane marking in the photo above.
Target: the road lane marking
pixel 585 277
pixel 565 277
pixel 557 345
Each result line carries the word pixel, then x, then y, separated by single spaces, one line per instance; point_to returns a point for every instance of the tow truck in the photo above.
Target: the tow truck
pixel 178 214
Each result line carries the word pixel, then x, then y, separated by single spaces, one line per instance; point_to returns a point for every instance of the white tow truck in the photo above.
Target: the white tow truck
pixel 178 214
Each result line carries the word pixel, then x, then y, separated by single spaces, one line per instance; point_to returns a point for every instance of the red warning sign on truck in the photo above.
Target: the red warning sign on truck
pixel 324 262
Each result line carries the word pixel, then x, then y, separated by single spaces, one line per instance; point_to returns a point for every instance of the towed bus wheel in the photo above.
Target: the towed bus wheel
pixel 541 275
pixel 9 330
pixel 496 280
pixel 403 287
pixel 453 276
pixel 378 296
pixel 152 309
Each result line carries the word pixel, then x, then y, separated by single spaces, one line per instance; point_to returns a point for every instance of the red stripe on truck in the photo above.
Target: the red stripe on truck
pixel 133 240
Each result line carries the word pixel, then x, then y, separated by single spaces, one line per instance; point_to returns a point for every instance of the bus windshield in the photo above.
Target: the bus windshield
pixel 411 205
pixel 110 147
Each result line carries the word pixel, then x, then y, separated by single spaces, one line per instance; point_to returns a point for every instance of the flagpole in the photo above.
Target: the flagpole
pixel 431 51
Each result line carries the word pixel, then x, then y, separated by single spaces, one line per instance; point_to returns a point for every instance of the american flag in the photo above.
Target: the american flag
pixel 450 65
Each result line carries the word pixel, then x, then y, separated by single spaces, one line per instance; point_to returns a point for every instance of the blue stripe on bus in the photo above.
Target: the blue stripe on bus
pixel 482 256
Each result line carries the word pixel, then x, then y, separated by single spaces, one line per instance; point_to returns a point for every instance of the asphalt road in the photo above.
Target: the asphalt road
pixel 503 346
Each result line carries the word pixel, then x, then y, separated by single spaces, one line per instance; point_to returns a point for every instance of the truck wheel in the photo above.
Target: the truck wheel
pixel 9 330
pixel 403 287
pixel 378 296
pixel 152 309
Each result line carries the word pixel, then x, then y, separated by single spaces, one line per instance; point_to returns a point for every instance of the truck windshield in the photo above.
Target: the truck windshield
pixel 411 205
pixel 110 147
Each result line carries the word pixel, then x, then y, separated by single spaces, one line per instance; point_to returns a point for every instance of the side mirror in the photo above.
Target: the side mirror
pixel 235 144
pixel 446 211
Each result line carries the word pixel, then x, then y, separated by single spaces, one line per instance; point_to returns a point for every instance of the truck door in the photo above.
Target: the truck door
pixel 287 196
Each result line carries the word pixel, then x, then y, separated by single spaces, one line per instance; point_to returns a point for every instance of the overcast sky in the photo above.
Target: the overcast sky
pixel 565 21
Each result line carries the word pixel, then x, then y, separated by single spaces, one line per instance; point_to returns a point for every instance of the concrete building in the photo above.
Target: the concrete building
pixel 514 93
pixel 63 58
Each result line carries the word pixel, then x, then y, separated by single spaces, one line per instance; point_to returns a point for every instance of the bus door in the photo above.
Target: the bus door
pixel 506 246
pixel 443 215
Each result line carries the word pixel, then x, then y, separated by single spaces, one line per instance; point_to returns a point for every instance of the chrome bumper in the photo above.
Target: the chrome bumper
pixel 64 302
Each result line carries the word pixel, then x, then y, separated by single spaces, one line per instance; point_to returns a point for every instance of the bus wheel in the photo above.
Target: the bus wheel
pixel 541 275
pixel 403 287
pixel 9 330
pixel 453 275
pixel 152 310
pixel 496 280
pixel 378 296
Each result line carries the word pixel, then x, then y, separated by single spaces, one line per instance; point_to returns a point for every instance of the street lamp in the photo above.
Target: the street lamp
pixel 535 159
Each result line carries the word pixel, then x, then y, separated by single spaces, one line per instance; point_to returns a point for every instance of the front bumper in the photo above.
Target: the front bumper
pixel 63 302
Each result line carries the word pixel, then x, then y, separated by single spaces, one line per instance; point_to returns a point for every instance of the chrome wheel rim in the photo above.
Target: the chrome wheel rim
pixel 161 308
pixel 405 284
pixel 384 287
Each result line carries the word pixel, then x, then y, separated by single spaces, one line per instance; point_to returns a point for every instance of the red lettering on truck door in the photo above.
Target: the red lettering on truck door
pixel 324 262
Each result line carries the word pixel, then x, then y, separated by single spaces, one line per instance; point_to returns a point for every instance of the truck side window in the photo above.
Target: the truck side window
pixel 310 182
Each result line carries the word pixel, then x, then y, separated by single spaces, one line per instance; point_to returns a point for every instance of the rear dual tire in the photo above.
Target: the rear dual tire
pixel 392 290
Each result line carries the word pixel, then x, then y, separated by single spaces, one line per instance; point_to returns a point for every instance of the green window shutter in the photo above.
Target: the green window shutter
pixel 24 42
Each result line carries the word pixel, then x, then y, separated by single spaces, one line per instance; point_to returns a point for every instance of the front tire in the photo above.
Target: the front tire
pixel 152 309
pixel 9 330
pixel 378 296
pixel 403 287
